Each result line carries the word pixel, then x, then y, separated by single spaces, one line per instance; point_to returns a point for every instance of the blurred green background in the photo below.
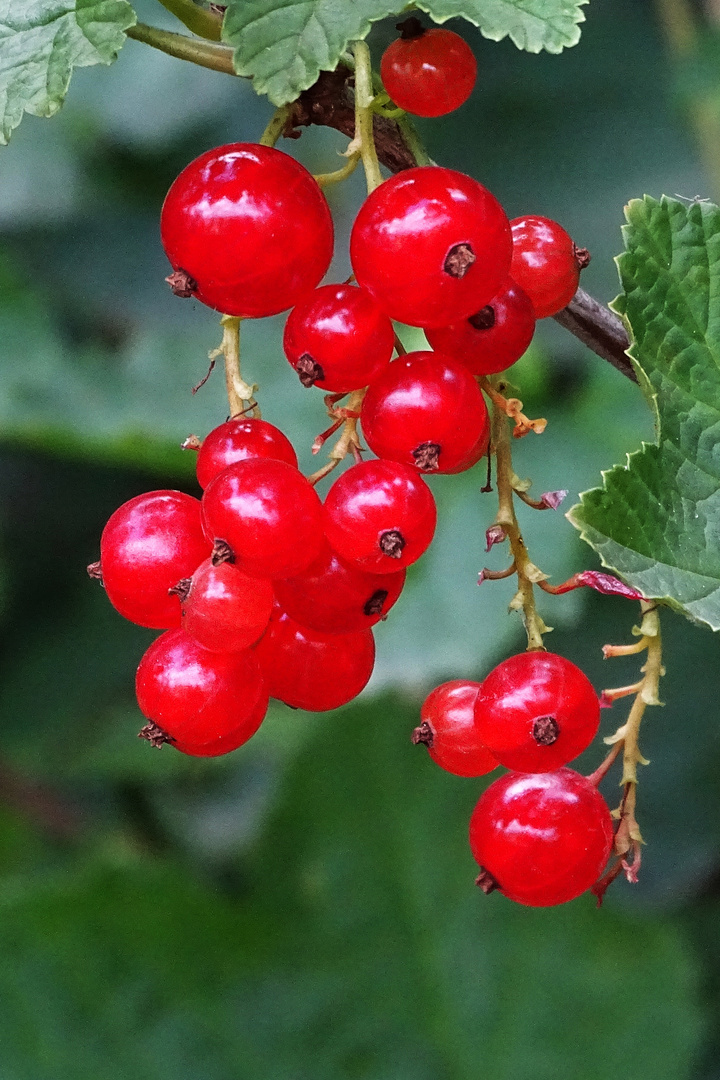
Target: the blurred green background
pixel 305 909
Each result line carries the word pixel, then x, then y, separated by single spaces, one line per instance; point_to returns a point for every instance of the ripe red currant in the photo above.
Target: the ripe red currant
pixel 447 728
pixel 427 411
pixel 247 230
pixel 310 670
pixel 380 516
pixel 223 609
pixel 336 598
pixel 428 72
pixel 195 696
pixel 494 337
pixel 225 744
pixel 431 246
pixel 546 264
pixel 541 838
pixel 148 544
pixel 236 440
pixel 337 338
pixel 536 711
pixel 267 515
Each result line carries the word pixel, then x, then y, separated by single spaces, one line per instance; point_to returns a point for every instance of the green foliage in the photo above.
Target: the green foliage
pixel 532 25
pixel 656 520
pixel 41 42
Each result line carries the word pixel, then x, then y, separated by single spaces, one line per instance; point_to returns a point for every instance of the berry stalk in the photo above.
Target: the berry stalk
pixel 240 394
pixel 364 98
pixel 203 53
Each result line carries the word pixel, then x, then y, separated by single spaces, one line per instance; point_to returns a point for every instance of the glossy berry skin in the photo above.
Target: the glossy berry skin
pixel 225 744
pixel 447 728
pixel 427 411
pixel 268 514
pixel 251 228
pixel 335 598
pixel 236 440
pixel 494 337
pixel 431 246
pixel 430 74
pixel 380 516
pixel 310 670
pixel 148 544
pixel 541 838
pixel 544 263
pixel 223 609
pixel 196 696
pixel 337 338
pixel 536 711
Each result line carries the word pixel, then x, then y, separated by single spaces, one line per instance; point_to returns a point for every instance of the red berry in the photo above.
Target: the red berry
pixel 225 744
pixel 494 337
pixel 195 696
pixel 426 410
pixel 267 514
pixel 380 516
pixel 247 230
pixel 545 263
pixel 428 72
pixel 541 838
pixel 336 598
pixel 148 544
pixel 431 246
pixel 536 711
pixel 237 440
pixel 447 728
pixel 310 670
pixel 338 339
pixel 223 609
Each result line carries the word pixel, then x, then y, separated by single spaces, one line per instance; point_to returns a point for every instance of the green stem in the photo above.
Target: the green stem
pixel 238 391
pixel 364 114
pixel 201 22
pixel 336 177
pixel 204 53
pixel 412 140
pixel 276 126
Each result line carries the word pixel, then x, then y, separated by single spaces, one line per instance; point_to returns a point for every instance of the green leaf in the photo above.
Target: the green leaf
pixel 41 41
pixel 532 25
pixel 656 520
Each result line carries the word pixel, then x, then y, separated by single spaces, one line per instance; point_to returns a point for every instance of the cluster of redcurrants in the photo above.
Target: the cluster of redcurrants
pixel 541 834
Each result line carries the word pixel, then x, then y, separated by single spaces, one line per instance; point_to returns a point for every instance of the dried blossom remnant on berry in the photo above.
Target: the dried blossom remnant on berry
pixel 486 881
pixel 427 456
pixel 222 552
pixel 182 283
pixel 582 256
pixel 155 735
pixel 458 260
pixel 423 735
pixel 545 730
pixel 309 371
pixel 484 319
pixel 94 571
pixel 182 589
pixel 410 28
pixel 392 543
pixel 374 604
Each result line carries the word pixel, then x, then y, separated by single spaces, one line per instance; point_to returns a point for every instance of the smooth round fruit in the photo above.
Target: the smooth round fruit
pixel 494 337
pixel 428 72
pixel 536 711
pixel 426 411
pixel 237 440
pixel 195 696
pixel 545 263
pixel 267 514
pixel 310 670
pixel 225 744
pixel 223 609
pixel 541 838
pixel 447 728
pixel 431 246
pixel 336 598
pixel 337 338
pixel 247 230
pixel 380 516
pixel 148 544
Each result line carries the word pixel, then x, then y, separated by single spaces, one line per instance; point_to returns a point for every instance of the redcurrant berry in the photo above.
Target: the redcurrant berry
pixel 541 838
pixel 247 230
pixel 536 711
pixel 338 339
pixel 225 744
pixel 546 264
pixel 310 670
pixel 237 440
pixel 267 515
pixel 431 246
pixel 195 696
pixel 380 516
pixel 223 609
pixel 447 728
pixel 426 410
pixel 494 337
pixel 428 72
pixel 148 544
pixel 335 598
